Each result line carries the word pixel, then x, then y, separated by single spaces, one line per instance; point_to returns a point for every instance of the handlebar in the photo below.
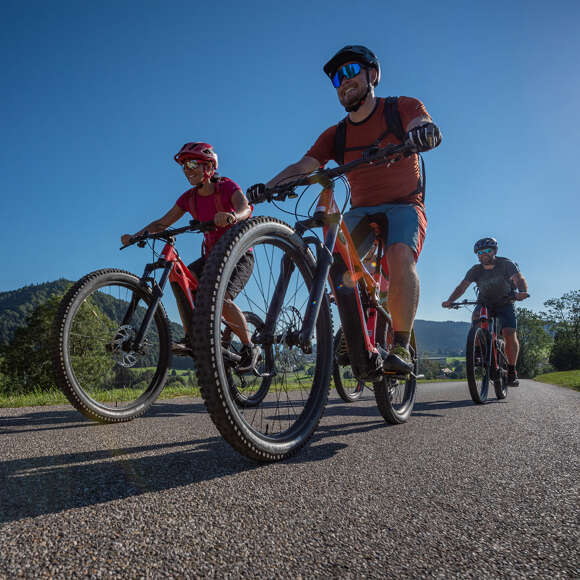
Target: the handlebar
pixel 168 234
pixel 456 305
pixel 371 156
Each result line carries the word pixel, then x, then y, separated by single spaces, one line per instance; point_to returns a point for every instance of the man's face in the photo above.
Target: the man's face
pixel 351 91
pixel 486 257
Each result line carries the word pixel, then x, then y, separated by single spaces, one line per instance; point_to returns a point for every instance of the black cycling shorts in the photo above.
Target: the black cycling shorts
pixel 240 275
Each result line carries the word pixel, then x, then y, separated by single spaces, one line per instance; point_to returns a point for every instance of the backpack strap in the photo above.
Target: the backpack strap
pixel 393 118
pixel 340 141
pixel 218 198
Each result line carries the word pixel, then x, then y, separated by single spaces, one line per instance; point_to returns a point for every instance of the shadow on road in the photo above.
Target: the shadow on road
pixel 35 486
pixel 72 419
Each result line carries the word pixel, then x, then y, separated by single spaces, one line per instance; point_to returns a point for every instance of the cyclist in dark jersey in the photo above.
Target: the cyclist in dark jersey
pixel 394 194
pixel 499 282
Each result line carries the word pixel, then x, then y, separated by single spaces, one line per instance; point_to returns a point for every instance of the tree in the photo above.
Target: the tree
pixel 534 342
pixel 27 361
pixel 563 317
pixel 430 368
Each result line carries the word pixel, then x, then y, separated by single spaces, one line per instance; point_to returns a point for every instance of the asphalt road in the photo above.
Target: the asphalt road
pixel 460 491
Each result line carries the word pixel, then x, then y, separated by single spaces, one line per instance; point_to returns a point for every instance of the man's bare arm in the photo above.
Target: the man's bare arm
pixel 461 288
pixel 303 167
pixel 521 284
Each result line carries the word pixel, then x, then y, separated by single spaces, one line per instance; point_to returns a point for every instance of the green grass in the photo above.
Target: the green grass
pixel 569 379
pixel 35 398
pixel 40 398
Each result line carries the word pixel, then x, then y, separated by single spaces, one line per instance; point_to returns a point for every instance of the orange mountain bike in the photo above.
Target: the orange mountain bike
pixel 287 290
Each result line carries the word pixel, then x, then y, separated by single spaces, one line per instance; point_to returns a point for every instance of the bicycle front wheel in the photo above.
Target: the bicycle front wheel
pixel 95 363
pixel 279 423
pixel 395 397
pixel 477 363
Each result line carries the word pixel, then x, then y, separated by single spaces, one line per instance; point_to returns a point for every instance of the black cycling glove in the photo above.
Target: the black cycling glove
pixel 256 192
pixel 425 137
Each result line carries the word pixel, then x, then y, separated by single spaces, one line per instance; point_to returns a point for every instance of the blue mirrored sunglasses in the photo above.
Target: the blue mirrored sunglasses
pixel 347 71
pixel 486 251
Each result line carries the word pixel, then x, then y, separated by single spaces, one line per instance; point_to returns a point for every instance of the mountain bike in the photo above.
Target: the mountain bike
pixel 485 358
pixel 111 344
pixel 287 291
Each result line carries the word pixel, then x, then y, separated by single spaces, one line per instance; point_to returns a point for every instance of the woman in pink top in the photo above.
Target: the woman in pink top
pixel 219 199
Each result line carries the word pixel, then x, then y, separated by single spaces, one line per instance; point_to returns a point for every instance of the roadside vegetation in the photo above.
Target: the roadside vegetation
pixel 550 345
pixel 570 379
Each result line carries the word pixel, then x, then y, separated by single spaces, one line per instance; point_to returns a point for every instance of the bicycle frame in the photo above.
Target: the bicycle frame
pixel 490 324
pixel 338 241
pixel 183 283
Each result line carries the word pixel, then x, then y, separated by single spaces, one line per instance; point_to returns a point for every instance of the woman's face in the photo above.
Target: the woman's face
pixel 194 171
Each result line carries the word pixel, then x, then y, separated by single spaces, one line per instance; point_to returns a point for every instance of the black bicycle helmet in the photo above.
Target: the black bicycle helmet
pixel 485 243
pixel 356 53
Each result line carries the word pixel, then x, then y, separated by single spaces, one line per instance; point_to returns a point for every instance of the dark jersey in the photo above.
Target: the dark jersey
pixel 493 285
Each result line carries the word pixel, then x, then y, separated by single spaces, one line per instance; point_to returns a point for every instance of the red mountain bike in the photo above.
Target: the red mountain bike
pixel 111 343
pixel 485 358
pixel 287 291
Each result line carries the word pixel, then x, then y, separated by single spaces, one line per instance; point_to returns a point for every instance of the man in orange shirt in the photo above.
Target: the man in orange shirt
pixel 391 197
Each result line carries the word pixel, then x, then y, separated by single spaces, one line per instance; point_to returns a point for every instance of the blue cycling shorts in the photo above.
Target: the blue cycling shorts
pixel 399 223
pixel 506 314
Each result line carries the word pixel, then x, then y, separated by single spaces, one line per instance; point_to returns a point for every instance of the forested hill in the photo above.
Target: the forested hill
pixel 16 305
pixel 441 337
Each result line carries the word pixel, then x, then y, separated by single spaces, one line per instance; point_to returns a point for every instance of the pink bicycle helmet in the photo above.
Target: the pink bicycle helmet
pixel 199 151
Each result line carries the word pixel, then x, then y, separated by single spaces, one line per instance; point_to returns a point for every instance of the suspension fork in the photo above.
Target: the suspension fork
pixel 157 291
pixel 316 296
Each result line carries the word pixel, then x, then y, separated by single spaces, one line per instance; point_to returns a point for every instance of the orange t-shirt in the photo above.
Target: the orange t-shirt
pixel 376 185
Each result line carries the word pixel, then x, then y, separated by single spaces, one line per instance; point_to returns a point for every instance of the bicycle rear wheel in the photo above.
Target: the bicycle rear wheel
pixel 395 397
pixel 281 422
pixel 347 385
pixel 248 390
pixel 94 362
pixel 476 362
pixel 500 380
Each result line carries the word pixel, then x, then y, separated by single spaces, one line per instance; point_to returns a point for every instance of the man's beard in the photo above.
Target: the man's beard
pixel 353 99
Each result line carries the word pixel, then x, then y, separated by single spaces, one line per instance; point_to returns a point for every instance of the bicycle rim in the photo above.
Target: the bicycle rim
pixel 96 365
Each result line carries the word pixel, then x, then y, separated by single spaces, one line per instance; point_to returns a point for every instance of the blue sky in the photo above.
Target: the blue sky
pixel 98 96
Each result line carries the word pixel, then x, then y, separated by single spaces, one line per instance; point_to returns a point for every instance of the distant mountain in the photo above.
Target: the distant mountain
pixel 433 338
pixel 447 337
pixel 17 305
